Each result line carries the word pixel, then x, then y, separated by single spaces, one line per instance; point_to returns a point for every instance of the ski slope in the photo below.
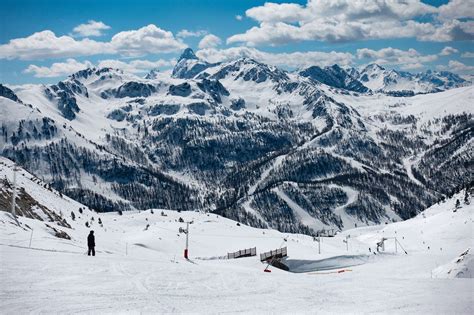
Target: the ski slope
pixel 139 267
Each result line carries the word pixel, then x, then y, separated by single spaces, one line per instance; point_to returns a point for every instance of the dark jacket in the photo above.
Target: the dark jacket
pixel 91 240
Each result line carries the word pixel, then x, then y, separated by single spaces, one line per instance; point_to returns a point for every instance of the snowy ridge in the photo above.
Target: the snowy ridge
pixel 379 79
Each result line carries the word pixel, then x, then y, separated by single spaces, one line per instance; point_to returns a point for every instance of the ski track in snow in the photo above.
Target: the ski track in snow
pixel 304 216
pixel 352 194
pixel 246 205
pixel 408 163
pixel 276 162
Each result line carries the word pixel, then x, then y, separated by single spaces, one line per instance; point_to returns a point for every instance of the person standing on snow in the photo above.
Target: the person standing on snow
pixel 91 243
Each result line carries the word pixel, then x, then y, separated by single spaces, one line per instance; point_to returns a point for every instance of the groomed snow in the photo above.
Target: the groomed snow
pixel 141 270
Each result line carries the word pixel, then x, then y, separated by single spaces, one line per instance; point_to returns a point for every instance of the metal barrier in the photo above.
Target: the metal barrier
pixel 243 253
pixel 274 254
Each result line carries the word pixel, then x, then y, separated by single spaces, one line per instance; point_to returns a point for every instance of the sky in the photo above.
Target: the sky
pixel 45 41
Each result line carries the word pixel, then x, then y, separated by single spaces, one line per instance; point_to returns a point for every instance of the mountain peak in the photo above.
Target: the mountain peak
pixel 373 67
pixel 188 53
pixel 152 74
pixel 335 67
pixel 88 72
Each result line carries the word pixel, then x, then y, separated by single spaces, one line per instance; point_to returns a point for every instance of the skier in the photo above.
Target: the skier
pixel 91 243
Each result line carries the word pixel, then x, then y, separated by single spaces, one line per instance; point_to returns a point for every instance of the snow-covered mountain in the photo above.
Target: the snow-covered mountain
pixel 189 65
pixel 335 76
pixel 395 82
pixel 247 140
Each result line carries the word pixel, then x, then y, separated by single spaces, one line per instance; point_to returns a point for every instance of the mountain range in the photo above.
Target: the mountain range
pixel 300 151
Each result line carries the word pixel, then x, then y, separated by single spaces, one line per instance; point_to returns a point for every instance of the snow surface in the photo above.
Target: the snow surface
pixel 141 270
pixel 460 267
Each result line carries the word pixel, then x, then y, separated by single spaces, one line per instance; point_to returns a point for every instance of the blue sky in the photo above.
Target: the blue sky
pixel 44 41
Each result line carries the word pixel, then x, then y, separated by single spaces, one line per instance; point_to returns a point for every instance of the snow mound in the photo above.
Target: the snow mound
pixel 461 267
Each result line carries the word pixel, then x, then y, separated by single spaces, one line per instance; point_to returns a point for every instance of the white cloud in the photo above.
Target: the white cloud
pixel 347 20
pixel 290 60
pixel 58 69
pixel 468 55
pixel 238 17
pixel 412 66
pixel 456 66
pixel 46 44
pixel 272 12
pixel 149 39
pixel 407 59
pixel 209 41
pixel 326 29
pixel 186 33
pixel 449 31
pixel 42 45
pixel 136 66
pixel 91 28
pixel 70 66
pixel 456 9
pixel 448 50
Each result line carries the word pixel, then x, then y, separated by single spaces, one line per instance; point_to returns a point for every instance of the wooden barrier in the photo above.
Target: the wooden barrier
pixel 243 253
pixel 274 254
pixel 326 233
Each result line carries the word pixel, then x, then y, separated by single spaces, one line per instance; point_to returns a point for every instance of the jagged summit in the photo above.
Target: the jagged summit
pixel 373 67
pixel 8 93
pixel 189 65
pixel 188 53
pixel 380 79
pixel 87 73
pixel 334 76
pixel 250 69
pixel 152 74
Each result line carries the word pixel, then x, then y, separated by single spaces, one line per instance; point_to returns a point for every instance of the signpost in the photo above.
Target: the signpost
pixel 14 196
pixel 347 242
pixel 187 240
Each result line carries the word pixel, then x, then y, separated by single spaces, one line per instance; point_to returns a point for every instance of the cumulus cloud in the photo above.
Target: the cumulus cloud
pixel 456 66
pixel 290 60
pixel 449 31
pixel 456 9
pixel 448 50
pixel 412 66
pixel 284 12
pixel 238 17
pixel 46 44
pixel 42 45
pixel 137 65
pixel 59 69
pixel 347 20
pixel 407 59
pixel 468 55
pixel 186 33
pixel 146 40
pixel 209 41
pixel 91 28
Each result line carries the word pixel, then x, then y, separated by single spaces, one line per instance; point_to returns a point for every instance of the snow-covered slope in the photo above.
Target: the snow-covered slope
pixel 395 82
pixel 139 265
pixel 335 76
